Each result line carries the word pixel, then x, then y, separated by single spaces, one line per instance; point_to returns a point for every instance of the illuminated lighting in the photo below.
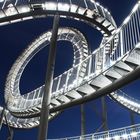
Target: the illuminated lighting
pixel 2 14
pixel 118 30
pixel 137 45
pixel 101 139
pixel 116 137
pixel 4 23
pixel 1 0
pixel 97 3
pixel 105 10
pixel 50 6
pixel 73 8
pixel 126 20
pixel 135 8
pixel 66 6
pixel 63 7
pixel 107 138
pixel 14 21
pixel 124 136
pixel 134 134
pixel 11 10
pixel 24 9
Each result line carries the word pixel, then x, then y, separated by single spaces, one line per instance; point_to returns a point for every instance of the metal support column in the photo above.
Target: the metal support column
pixel 83 127
pixel 43 128
pixel 11 134
pixel 11 130
pixel 1 117
pixel 132 121
pixel 104 113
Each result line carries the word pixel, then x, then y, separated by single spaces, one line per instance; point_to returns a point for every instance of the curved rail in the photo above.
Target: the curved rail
pixel 127 101
pixel 24 123
pixel 124 133
pixel 64 82
pixel 119 67
pixel 88 11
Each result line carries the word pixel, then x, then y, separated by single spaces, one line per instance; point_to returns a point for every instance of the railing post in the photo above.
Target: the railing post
pixel 104 59
pixel 121 40
pixel 43 128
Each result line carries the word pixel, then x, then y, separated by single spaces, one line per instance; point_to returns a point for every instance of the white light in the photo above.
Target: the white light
pixel 1 0
pixel 66 6
pixel 135 8
pixel 105 9
pixel 134 134
pixel 107 138
pixel 101 139
pixel 97 3
pixel 137 45
pixel 25 9
pixel 116 137
pixel 11 10
pixel 63 7
pixel 118 30
pixel 124 136
pixel 50 6
pixel 126 20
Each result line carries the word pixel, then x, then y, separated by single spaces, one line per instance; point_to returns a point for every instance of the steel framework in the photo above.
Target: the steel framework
pixel 112 65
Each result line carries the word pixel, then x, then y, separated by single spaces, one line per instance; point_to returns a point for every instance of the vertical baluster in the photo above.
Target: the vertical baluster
pixel 89 66
pixel 104 58
pixel 129 36
pixel 33 100
pixel 85 4
pixel 78 77
pixel 95 61
pixel 121 42
pixel 138 24
pixel 67 78
pixel 133 32
pixel 125 39
pixel 39 92
pixel 26 101
pixel 58 84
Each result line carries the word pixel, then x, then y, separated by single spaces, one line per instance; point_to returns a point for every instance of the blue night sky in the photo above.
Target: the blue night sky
pixel 15 38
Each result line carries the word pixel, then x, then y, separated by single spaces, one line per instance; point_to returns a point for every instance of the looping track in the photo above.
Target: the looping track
pixel 114 64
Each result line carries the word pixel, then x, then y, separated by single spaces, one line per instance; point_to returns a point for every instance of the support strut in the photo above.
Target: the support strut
pixel 83 125
pixel 104 113
pixel 2 117
pixel 44 118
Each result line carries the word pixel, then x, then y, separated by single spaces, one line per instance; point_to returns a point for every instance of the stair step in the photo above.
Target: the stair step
pixel 124 66
pixel 106 23
pixel 87 89
pixel 64 99
pixel 121 71
pixel 112 73
pixel 101 81
pixel 133 60
pixel 55 102
pixel 74 94
pixel 111 28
